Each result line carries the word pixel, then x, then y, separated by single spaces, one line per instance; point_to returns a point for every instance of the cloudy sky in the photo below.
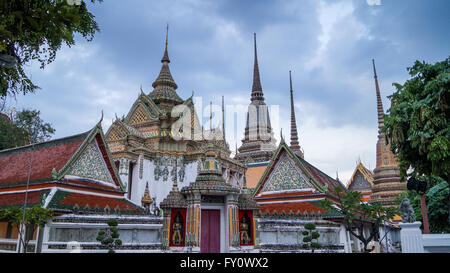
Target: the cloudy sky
pixel 327 44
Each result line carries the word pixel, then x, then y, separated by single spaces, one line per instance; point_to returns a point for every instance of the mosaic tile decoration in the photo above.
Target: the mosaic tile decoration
pixel 359 182
pixel 90 165
pixel 139 115
pixel 113 135
pixel 285 176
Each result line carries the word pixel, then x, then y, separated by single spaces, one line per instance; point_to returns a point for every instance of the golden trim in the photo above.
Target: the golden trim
pixel 230 216
pixel 196 231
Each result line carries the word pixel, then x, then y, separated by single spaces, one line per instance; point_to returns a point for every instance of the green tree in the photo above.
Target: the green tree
pixel 35 216
pixel 417 124
pixel 110 238
pixel 36 129
pixel 36 30
pixel 11 135
pixel 359 215
pixel 309 235
pixel 26 127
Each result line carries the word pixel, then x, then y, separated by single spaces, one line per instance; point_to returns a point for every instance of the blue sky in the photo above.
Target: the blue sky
pixel 328 45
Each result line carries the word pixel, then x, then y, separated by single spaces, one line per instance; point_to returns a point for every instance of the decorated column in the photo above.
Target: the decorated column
pixel 233 220
pixel 193 217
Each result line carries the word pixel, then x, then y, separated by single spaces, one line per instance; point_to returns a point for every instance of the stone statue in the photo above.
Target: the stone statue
pixel 245 230
pixel 177 238
pixel 408 215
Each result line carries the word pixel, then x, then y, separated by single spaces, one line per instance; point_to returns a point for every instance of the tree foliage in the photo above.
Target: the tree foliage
pixel 26 127
pixel 36 30
pixel 110 238
pixel 359 215
pixel 417 124
pixel 11 135
pixel 35 216
pixel 309 236
pixel 37 130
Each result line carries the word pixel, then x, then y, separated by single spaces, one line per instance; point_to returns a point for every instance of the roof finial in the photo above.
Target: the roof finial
pixel 294 135
pixel 257 93
pixel 223 119
pixel 379 101
pixel 210 115
pixel 166 54
pixel 101 119
pixel 167 34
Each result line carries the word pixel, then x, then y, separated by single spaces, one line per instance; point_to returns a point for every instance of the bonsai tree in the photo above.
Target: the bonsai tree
pixel 309 235
pixel 110 238
pixel 35 216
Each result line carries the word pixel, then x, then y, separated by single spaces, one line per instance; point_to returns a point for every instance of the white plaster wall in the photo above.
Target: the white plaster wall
pixel 158 188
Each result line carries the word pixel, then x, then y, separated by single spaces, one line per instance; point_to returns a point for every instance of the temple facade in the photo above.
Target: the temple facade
pixel 209 215
pixel 150 153
pixel 386 176
pixel 259 143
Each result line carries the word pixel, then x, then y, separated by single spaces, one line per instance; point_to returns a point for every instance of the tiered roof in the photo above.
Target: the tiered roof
pixel 164 86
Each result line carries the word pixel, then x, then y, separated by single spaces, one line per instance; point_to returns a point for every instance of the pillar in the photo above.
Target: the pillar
pixel 411 237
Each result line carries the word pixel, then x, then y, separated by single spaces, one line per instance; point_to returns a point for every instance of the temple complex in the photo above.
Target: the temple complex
pixel 386 176
pixel 151 153
pixel 174 187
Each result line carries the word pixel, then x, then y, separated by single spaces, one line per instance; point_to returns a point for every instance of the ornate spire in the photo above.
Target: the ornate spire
pixel 146 199
pixel 379 102
pixel 166 54
pixel 294 136
pixel 164 86
pixel 210 115
pixel 257 93
pixel 386 176
pixel 175 180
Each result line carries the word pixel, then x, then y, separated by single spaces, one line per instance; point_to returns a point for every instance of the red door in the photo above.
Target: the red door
pixel 210 232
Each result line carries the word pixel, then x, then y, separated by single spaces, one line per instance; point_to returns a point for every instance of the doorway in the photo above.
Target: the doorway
pixel 210 231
